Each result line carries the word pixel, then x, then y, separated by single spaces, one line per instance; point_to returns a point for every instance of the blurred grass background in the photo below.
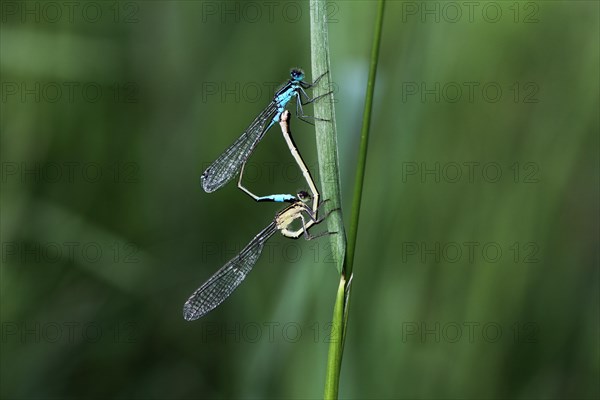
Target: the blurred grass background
pixel 106 231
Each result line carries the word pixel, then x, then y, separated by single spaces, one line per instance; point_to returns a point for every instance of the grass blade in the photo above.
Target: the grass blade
pixel 326 133
pixel 329 171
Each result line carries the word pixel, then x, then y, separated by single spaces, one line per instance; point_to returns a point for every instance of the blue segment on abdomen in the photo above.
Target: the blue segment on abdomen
pixel 279 198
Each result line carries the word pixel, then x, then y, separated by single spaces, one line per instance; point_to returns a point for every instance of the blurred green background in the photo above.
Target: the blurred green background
pixel 477 264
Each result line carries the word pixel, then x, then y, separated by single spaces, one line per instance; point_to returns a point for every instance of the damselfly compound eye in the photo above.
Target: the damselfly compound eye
pixel 297 74
pixel 304 196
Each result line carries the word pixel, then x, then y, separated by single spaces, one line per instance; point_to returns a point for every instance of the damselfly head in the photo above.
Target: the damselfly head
pixel 297 74
pixel 303 196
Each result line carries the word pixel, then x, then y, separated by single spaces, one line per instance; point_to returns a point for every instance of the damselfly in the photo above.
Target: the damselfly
pixel 230 162
pixel 215 290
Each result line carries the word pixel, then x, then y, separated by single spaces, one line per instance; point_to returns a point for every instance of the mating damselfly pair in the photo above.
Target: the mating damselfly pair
pixel 303 206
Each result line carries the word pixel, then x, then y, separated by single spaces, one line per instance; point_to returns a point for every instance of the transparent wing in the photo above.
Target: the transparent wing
pixel 229 163
pixel 214 291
